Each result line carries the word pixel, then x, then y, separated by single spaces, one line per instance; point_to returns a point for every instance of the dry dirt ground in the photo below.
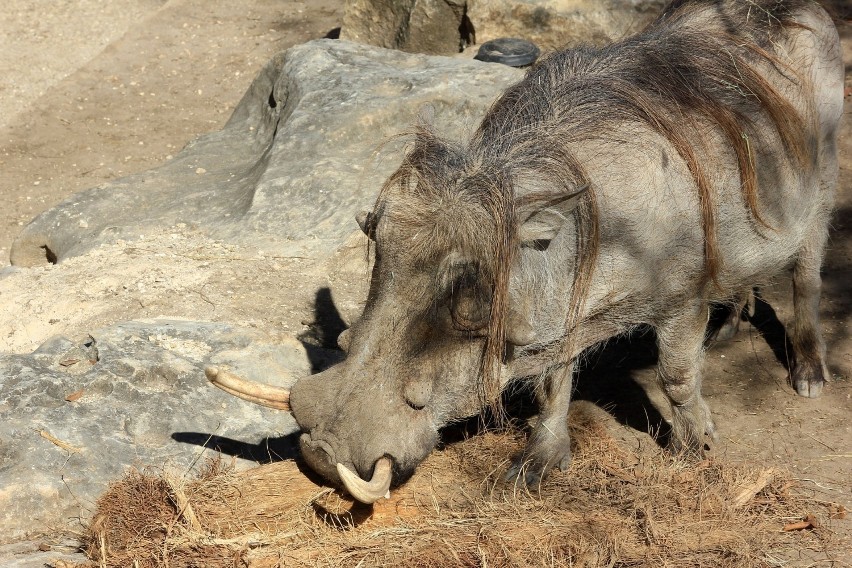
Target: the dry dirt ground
pixel 91 91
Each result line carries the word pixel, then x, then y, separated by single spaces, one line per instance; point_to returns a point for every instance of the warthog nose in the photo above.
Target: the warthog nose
pixel 319 456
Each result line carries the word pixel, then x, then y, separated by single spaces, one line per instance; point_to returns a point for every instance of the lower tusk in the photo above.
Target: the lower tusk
pixel 368 491
pixel 258 393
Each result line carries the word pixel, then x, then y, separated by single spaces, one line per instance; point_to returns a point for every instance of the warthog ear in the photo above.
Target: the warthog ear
pixel 367 221
pixel 541 218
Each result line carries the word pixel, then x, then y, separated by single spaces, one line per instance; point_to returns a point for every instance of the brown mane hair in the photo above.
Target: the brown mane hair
pixel 700 62
pixel 465 205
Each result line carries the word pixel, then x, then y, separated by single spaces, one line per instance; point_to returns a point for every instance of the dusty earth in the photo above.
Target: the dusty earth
pixel 91 91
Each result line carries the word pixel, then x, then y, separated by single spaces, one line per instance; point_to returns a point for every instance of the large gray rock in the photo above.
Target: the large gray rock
pixel 558 23
pixel 76 414
pixel 293 164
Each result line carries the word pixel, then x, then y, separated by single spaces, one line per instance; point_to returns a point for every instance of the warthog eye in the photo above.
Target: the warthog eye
pixel 467 297
pixel 469 309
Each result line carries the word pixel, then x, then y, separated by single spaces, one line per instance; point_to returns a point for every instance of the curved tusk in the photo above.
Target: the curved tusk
pixel 258 393
pixel 368 491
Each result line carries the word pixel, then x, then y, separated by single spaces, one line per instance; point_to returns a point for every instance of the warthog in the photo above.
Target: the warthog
pixel 635 184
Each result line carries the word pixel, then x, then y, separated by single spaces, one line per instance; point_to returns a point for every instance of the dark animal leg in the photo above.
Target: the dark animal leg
pixel 732 324
pixel 549 444
pixel 681 344
pixel 808 373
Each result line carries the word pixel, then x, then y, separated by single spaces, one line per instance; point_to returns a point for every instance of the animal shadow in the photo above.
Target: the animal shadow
pixel 320 339
pixel 764 320
pixel 268 450
pixel 609 377
pixel 606 380
pixel 767 324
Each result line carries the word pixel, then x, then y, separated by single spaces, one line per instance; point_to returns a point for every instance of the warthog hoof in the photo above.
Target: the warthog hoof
pixel 808 378
pixel 532 467
pixel 690 423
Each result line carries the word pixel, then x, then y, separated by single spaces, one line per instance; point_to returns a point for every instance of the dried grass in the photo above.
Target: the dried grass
pixel 614 507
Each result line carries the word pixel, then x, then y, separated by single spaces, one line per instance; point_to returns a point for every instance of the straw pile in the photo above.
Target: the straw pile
pixel 614 507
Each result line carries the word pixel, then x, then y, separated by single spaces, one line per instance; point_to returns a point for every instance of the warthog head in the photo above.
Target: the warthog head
pixel 438 325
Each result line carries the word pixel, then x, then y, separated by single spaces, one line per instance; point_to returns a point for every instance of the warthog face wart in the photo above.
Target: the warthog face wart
pixel 629 185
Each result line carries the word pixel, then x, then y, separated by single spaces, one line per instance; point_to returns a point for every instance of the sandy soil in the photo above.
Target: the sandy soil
pixel 111 88
pixel 99 90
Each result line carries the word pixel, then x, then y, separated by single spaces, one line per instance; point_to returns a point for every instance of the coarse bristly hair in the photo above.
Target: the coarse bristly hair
pixel 701 62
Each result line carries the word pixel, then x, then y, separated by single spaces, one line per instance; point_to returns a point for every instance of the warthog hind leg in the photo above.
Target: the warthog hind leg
pixel 549 444
pixel 808 372
pixel 681 344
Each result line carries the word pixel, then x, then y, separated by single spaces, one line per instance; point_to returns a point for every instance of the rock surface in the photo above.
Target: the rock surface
pixel 557 23
pixel 294 162
pixel 416 26
pixel 76 414
pixel 55 553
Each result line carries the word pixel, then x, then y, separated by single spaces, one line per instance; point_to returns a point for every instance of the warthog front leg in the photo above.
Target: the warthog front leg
pixel 681 344
pixel 808 373
pixel 549 444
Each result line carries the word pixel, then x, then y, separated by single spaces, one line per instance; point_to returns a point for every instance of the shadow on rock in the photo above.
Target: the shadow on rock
pixel 268 450
pixel 320 339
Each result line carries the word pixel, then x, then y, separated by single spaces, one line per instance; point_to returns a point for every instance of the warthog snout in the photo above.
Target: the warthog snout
pixel 339 440
pixel 348 437
pixel 320 456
